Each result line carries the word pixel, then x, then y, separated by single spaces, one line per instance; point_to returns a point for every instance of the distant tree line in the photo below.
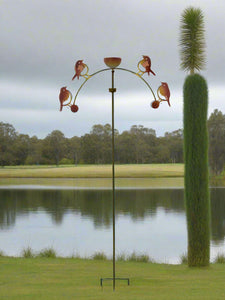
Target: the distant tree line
pixel 139 145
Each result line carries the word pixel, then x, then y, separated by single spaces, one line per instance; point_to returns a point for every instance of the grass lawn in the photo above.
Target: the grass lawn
pixel 142 175
pixel 64 278
pixel 177 182
pixel 94 171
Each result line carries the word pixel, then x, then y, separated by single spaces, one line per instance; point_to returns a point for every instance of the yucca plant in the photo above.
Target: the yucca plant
pixel 195 94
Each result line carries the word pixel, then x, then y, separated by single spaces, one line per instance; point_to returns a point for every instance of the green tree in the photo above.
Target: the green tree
pixel 74 149
pixel 125 148
pixel 103 137
pixel 216 130
pixel 161 152
pixel 54 147
pixel 8 137
pixel 89 149
pixel 136 145
pixel 175 145
pixel 35 151
pixel 140 135
pixel 195 93
pixel 21 148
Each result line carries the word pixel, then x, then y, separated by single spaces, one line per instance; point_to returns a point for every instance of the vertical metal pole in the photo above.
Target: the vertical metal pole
pixel 113 90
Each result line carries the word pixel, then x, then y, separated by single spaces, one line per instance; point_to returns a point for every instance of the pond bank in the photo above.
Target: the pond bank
pixel 94 171
pixel 98 183
pixel 87 183
pixel 99 176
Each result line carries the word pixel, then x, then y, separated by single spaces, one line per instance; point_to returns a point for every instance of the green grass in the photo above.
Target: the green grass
pixel 47 253
pixel 94 171
pixel 134 257
pixel 184 258
pixel 220 259
pixel 141 176
pixel 46 279
pixel 98 176
pixel 96 182
pixel 28 253
pixel 139 258
pixel 99 256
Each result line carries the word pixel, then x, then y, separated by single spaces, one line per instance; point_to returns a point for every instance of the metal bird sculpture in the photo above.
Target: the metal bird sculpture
pixel 63 96
pixel 146 63
pixel 79 67
pixel 164 91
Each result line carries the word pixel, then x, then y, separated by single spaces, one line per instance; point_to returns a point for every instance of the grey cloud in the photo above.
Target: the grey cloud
pixel 42 39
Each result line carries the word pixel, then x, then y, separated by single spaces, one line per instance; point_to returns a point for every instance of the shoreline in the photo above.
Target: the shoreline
pixel 97 183
pixel 94 171
pixel 50 253
pixel 92 183
pixel 100 176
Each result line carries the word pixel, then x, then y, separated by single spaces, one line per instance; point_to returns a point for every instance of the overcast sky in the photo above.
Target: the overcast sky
pixel 40 41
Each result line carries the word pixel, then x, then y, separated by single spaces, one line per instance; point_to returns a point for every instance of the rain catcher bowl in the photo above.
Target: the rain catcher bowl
pixel 112 62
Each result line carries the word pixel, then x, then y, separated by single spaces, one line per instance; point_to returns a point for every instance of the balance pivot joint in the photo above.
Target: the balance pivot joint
pixel 112 90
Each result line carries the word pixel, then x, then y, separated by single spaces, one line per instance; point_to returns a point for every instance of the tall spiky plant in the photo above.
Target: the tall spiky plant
pixel 195 93
pixel 192 40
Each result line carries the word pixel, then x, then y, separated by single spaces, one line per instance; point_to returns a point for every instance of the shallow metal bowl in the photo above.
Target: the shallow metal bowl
pixel 112 62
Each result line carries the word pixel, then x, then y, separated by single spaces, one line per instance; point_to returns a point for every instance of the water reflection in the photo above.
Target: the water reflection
pixel 218 215
pixel 96 205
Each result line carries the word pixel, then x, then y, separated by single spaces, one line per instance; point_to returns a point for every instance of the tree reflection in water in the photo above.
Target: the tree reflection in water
pixel 96 205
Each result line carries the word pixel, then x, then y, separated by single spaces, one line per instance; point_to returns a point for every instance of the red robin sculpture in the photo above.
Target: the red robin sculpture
pixel 164 91
pixel 79 66
pixel 63 96
pixel 146 63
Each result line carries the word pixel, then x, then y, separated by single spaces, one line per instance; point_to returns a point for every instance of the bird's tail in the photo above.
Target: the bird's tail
pixel 152 72
pixel 61 107
pixel 74 76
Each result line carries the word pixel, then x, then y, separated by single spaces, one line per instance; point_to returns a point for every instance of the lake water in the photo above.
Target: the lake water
pixel 79 221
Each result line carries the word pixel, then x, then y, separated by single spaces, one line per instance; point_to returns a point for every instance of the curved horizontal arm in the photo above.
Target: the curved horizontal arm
pixel 87 80
pixel 122 69
pixel 140 78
